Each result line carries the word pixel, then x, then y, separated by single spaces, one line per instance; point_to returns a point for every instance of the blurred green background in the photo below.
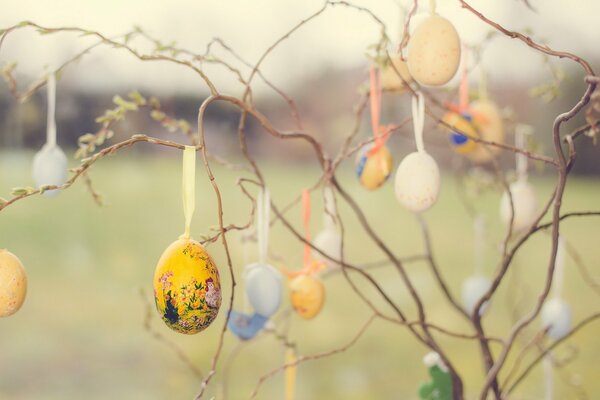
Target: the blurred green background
pixel 80 333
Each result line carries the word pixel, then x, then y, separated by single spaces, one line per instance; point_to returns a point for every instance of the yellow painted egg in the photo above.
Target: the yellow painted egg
pixel 390 81
pixel 434 52
pixel 417 183
pixel 13 283
pixel 373 170
pixel 488 122
pixel 463 124
pixel 307 294
pixel 187 288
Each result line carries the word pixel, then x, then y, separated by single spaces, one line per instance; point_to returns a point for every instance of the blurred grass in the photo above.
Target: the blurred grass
pixel 80 333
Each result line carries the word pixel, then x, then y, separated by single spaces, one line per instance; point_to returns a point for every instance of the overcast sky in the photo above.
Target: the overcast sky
pixel 337 39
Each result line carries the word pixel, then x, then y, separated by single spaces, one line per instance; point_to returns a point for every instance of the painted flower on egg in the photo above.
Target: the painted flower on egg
pixel 187 288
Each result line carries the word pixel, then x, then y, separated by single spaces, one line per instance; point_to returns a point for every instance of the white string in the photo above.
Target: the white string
pixel 262 224
pixel 51 120
pixel 548 378
pixel 521 131
pixel 330 209
pixel 559 268
pixel 418 116
pixel 479 251
pixel 432 6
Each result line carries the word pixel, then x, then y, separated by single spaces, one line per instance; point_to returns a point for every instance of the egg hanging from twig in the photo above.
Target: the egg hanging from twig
pixel 13 283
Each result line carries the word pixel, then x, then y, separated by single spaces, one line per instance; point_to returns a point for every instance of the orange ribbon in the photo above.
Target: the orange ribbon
pixel 310 266
pixel 463 95
pixel 380 133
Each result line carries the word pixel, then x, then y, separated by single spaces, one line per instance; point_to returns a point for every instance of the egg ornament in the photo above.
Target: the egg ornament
pixel 13 283
pixel 263 288
pixel 50 168
pixel 465 128
pixel 556 314
pixel 187 288
pixel 524 202
pixel 329 242
pixel 50 163
pixel 434 51
pixel 490 127
pixel 307 295
pixel 395 76
pixel 246 326
pixel 417 182
pixel 373 167
pixel 473 289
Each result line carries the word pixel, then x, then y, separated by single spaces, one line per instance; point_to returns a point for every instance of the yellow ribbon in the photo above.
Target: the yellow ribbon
pixel 188 187
pixel 290 374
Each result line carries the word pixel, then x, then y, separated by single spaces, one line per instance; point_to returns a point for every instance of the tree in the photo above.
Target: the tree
pixel 95 146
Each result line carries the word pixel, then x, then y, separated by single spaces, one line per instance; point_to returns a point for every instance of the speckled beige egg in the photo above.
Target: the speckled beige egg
pixel 13 283
pixel 395 75
pixel 417 182
pixel 524 204
pixel 434 52
pixel 488 122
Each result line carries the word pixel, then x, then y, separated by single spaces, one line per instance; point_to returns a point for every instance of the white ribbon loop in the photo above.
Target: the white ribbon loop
pixel 51 118
pixel 189 187
pixel 262 223
pixel 418 116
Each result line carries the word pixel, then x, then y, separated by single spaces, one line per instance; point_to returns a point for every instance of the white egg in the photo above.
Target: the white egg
pixel 263 288
pixel 50 168
pixel 524 204
pixel 417 181
pixel 330 242
pixel 556 314
pixel 434 52
pixel 473 289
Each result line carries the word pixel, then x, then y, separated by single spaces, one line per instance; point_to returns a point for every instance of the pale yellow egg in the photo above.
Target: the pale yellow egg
pixel 13 283
pixel 395 75
pixel 307 295
pixel 434 52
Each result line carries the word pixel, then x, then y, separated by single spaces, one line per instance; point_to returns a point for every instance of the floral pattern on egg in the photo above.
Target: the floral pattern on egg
pixel 187 288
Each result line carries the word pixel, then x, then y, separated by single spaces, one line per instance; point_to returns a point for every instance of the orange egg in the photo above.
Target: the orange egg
pixel 13 283
pixel 187 288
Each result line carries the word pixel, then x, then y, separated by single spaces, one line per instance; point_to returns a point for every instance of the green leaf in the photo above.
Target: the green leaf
pixel 137 97
pixel 3 201
pixel 157 115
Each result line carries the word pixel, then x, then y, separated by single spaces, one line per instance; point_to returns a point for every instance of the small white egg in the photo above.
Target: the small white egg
pixel 417 181
pixel 434 52
pixel 50 168
pixel 263 288
pixel 330 242
pixel 524 204
pixel 395 76
pixel 556 314
pixel 473 289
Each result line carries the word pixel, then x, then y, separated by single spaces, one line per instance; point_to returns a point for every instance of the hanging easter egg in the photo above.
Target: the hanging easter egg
pixel 524 204
pixel 263 288
pixel 329 242
pixel 395 75
pixel 434 52
pixel 473 289
pixel 13 283
pixel 464 127
pixel 417 181
pixel 187 288
pixel 246 326
pixel 373 169
pixel 488 122
pixel 50 168
pixel 556 314
pixel 307 295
